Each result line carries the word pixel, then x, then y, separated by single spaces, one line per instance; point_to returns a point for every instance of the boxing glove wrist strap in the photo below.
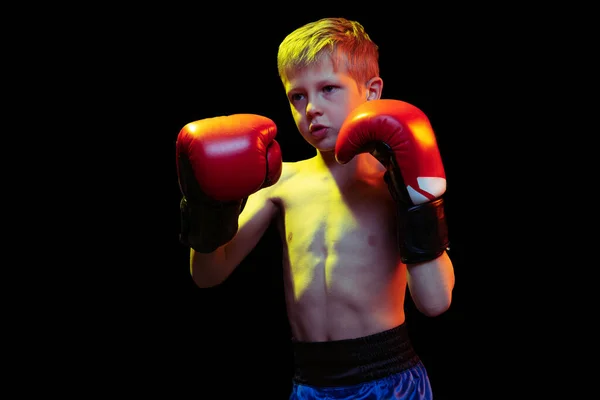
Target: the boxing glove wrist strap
pixel 207 225
pixel 422 228
pixel 422 231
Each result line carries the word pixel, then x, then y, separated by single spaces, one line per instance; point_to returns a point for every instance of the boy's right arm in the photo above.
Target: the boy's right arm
pixel 221 161
pixel 210 269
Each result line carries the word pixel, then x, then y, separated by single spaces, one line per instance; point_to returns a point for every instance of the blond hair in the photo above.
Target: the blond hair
pixel 342 40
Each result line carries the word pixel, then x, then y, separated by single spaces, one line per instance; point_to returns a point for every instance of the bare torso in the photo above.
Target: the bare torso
pixel 343 275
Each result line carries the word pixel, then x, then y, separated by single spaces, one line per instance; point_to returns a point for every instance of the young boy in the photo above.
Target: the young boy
pixel 359 221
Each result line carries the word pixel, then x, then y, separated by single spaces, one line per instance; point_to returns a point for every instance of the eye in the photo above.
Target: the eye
pixel 296 97
pixel 328 88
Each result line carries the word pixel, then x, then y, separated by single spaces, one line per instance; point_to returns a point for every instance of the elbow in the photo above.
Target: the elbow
pixel 435 310
pixel 205 282
pixel 435 306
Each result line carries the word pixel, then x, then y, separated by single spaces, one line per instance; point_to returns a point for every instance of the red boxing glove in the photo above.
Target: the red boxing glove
pixel 220 162
pixel 400 136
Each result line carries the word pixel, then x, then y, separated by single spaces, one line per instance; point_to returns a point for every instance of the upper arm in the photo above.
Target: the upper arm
pixel 431 284
pixel 254 220
pixel 256 217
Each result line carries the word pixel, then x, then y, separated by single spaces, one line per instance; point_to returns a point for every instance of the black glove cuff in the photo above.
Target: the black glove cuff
pixel 205 226
pixel 423 234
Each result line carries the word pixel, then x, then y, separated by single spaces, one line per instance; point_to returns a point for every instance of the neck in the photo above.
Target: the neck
pixel 361 164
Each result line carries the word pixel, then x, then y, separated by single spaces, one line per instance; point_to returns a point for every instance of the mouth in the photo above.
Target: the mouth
pixel 318 131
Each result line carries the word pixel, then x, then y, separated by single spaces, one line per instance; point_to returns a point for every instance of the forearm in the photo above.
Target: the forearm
pixel 431 284
pixel 209 269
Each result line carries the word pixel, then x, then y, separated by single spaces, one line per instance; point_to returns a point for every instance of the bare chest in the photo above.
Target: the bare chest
pixel 331 234
pixel 325 220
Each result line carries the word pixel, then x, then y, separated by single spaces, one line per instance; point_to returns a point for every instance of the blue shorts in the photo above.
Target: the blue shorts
pixel 412 384
pixel 379 366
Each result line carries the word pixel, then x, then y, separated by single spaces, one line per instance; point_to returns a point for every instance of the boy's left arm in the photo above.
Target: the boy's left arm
pixel 400 136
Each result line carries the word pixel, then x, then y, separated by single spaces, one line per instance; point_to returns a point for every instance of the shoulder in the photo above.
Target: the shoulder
pixel 291 170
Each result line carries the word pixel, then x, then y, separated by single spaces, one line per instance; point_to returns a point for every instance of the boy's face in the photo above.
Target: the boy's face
pixel 320 99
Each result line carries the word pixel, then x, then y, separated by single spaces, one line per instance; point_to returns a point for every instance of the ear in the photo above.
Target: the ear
pixel 374 88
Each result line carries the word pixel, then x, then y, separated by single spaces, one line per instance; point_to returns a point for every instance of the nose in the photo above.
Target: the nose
pixel 312 109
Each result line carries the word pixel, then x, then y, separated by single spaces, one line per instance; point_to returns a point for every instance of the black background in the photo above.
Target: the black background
pixel 234 339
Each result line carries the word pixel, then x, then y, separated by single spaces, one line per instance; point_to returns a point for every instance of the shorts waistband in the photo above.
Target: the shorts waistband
pixel 353 361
